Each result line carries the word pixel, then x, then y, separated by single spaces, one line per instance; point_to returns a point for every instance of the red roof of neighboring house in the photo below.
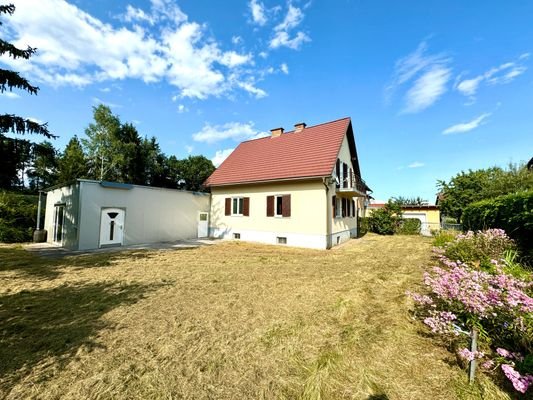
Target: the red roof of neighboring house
pixel 309 153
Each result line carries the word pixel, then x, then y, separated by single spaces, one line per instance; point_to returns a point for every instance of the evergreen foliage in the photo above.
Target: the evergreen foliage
pixel 9 80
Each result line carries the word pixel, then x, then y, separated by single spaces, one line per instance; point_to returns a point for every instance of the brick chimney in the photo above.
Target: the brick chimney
pixel 277 132
pixel 299 127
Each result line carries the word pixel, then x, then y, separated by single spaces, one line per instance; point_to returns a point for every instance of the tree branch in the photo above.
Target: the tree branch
pixel 12 79
pixel 6 47
pixel 12 123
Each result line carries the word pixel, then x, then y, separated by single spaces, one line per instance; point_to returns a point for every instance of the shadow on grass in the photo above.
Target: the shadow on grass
pixel 15 258
pixel 56 323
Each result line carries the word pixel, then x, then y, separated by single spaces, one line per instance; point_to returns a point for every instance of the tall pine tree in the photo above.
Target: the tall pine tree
pixel 9 80
pixel 73 163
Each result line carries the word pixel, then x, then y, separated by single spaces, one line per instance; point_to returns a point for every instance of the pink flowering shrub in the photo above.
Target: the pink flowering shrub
pixel 462 296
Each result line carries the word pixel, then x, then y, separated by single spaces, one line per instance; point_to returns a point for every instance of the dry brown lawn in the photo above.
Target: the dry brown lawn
pixel 228 321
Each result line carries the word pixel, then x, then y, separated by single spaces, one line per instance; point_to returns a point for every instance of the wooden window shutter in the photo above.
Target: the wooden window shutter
pixel 286 205
pixel 270 206
pixel 353 208
pixel 228 206
pixel 334 205
pixel 246 206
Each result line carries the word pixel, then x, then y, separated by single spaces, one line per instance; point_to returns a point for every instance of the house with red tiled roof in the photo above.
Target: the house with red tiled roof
pixel 299 188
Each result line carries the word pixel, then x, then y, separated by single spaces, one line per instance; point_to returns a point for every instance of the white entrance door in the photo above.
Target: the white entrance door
pixel 203 224
pixel 111 226
pixel 59 223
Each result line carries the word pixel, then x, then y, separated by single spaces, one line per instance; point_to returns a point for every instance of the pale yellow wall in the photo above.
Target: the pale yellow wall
pixel 308 207
pixel 433 218
pixel 342 224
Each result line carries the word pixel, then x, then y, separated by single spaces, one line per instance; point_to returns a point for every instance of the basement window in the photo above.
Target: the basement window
pixel 281 240
pixel 236 236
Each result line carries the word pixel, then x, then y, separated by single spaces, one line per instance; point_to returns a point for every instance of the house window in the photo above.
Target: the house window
pixel 281 240
pixel 238 204
pixel 344 175
pixel 338 172
pixel 236 236
pixel 279 206
pixel 338 207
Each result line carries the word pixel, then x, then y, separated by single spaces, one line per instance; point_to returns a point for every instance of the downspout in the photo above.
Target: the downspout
pixel 328 218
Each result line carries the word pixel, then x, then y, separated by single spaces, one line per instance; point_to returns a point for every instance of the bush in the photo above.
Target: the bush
pixel 495 301
pixel 479 249
pixel 18 214
pixel 410 226
pixel 443 236
pixel 362 226
pixel 386 220
pixel 512 213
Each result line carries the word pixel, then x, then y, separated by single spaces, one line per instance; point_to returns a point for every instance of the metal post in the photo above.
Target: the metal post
pixel 473 349
pixel 39 211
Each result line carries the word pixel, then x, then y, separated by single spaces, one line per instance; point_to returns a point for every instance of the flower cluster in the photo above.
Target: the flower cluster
pixel 477 292
pixel 468 355
pixel 441 322
pixel 520 382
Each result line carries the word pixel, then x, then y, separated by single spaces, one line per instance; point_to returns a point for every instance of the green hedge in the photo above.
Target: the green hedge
pixel 512 213
pixel 410 226
pixel 18 214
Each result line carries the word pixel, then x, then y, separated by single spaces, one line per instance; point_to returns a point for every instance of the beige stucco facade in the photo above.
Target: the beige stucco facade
pixel 311 223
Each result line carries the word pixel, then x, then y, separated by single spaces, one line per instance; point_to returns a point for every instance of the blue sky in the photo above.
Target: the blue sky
pixel 432 87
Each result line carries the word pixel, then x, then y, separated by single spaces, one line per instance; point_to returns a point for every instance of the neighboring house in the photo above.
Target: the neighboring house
pixel 429 215
pixel 91 214
pixel 300 188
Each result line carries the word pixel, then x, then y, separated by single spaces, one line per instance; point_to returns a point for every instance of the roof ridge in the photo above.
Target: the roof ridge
pixel 307 127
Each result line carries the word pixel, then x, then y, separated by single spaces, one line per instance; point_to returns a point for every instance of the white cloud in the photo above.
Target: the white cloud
pixel 136 14
pixel 427 89
pixel 10 95
pixel 236 40
pixel 258 12
pixel 182 109
pixel 220 156
pixel 231 130
pixel 293 18
pixel 502 74
pixel 189 149
pixel 284 68
pixel 105 90
pixel 427 73
pixel 466 126
pixel 250 88
pixel 232 59
pixel 282 36
pixel 416 164
pixel 77 49
pixel 263 54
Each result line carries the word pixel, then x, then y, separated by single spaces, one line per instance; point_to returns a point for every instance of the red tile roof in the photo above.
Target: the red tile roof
pixel 309 153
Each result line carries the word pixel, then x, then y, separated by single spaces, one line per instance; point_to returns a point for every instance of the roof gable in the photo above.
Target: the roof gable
pixel 293 155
